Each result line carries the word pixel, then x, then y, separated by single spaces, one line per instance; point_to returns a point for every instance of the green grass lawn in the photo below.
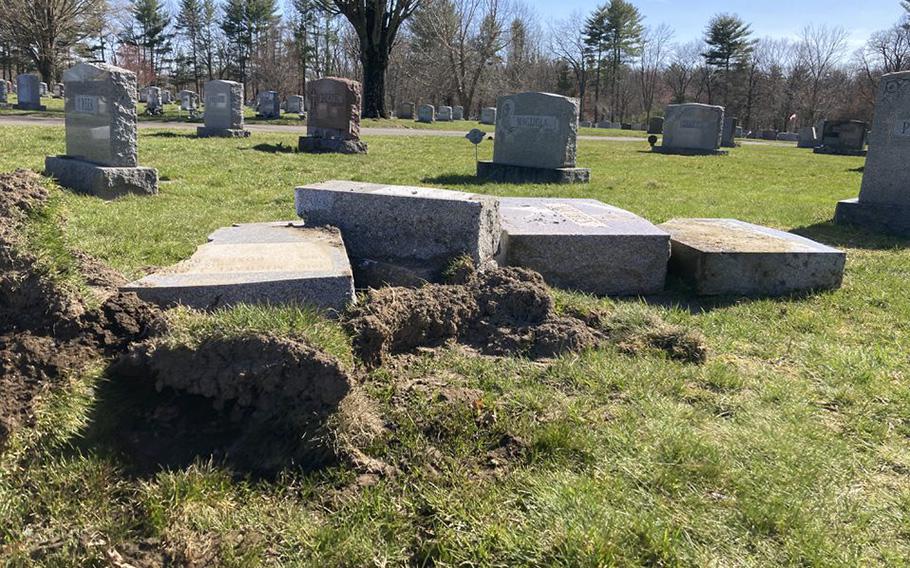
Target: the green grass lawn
pixel 788 447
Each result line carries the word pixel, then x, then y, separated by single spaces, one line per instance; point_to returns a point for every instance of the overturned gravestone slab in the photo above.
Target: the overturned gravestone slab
pixel 261 263
pixel 730 257
pixel 584 245
pixel 407 226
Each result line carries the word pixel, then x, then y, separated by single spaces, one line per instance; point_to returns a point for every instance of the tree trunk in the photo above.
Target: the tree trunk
pixel 375 62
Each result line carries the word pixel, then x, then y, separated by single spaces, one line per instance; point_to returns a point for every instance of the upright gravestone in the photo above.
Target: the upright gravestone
pixel 444 114
pixel 58 90
pixel 29 93
pixel 223 111
pixel 728 138
pixel 807 137
pixel 101 134
pixel 166 97
pixel 656 125
pixel 488 115
pixel 884 200
pixel 536 137
pixel 458 113
pixel 333 123
pixel 843 138
pixel 426 114
pixel 406 111
pixel 295 104
pixel 188 100
pixel 692 129
pixel 269 105
pixel 42 88
pixel 153 104
pixel 4 94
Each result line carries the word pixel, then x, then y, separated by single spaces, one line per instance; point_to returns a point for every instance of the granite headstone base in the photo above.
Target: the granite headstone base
pixel 891 218
pixel 505 173
pixel 101 181
pixel 688 151
pixel 204 132
pixel 30 106
pixel 259 263
pixel 317 145
pixel 731 257
pixel 835 151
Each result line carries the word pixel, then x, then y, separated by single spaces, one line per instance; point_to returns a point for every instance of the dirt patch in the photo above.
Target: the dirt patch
pixel 257 403
pixel 504 311
pixel 47 334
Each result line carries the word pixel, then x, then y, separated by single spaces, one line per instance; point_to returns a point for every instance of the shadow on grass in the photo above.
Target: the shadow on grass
pixel 278 148
pixel 173 135
pixel 456 179
pixel 149 431
pixel 840 236
pixel 859 170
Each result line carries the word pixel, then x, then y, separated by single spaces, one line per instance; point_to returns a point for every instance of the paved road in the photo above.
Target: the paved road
pixel 282 128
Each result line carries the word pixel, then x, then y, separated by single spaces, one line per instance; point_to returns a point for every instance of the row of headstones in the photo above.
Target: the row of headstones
pixel 429 114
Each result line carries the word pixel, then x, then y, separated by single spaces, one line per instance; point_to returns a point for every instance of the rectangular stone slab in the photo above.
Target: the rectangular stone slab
pixel 584 245
pixel 385 222
pixel 731 257
pixel 274 263
pixel 101 181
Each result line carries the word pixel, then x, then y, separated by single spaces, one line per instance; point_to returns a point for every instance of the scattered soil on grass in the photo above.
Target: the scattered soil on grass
pixel 502 311
pixel 46 331
pixel 257 403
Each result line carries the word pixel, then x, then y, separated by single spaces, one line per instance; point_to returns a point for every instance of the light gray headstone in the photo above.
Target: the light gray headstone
pixel 426 113
pixel 224 105
pixel 693 127
pixel 28 90
pixel 730 257
pixel 585 245
pixel 536 130
pixel 488 115
pixel 4 93
pixel 886 177
pixel 458 113
pixel 101 114
pixel 153 98
pixel 444 114
pixel 295 104
pixel 42 88
pixel 188 100
pixel 269 104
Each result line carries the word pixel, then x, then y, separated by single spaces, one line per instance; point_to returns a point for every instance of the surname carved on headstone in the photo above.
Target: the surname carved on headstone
pixel 223 111
pixel 333 121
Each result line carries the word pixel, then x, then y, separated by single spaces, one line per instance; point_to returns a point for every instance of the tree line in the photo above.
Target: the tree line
pixel 462 52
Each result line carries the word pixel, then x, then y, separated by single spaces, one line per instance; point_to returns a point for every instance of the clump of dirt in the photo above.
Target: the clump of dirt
pixel 502 311
pixel 47 333
pixel 256 402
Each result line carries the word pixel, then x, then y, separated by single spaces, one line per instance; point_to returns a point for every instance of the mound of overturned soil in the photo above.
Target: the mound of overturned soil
pixel 504 311
pixel 46 331
pixel 258 403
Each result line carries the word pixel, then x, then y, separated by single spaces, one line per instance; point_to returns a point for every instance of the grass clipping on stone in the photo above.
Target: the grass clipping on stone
pixel 503 312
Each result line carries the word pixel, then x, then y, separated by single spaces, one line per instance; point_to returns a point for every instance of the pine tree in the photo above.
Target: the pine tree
pixel 613 33
pixel 150 35
pixel 189 22
pixel 728 44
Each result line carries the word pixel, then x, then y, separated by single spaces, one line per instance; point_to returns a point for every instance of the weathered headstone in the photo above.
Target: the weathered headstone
pixel 656 125
pixel 4 94
pixel 787 137
pixel 166 97
pixel 268 105
pixel 406 111
pixel 807 137
pixel 488 115
pixel 739 133
pixel 333 123
pixel 153 103
pixel 189 100
pixel 692 129
pixel 101 134
pixel 884 200
pixel 728 138
pixel 426 114
pixel 262 263
pixel 58 90
pixel 420 228
pixel 28 93
pixel 223 111
pixel 584 245
pixel 458 113
pixel 42 89
pixel 444 114
pixel 536 138
pixel 843 138
pixel 295 104
pixel 730 257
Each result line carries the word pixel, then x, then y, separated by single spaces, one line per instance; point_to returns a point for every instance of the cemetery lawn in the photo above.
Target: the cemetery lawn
pixel 789 446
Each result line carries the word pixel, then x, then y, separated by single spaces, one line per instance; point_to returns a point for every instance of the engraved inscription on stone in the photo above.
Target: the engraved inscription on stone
pixel 902 128
pixel 574 214
pixel 86 105
pixel 221 101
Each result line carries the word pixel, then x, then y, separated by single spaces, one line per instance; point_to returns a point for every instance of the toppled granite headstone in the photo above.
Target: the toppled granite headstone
pixel 261 263
pixel 584 245
pixel 731 257
pixel 415 227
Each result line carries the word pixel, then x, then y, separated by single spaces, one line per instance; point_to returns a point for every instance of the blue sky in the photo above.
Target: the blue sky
pixel 774 18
